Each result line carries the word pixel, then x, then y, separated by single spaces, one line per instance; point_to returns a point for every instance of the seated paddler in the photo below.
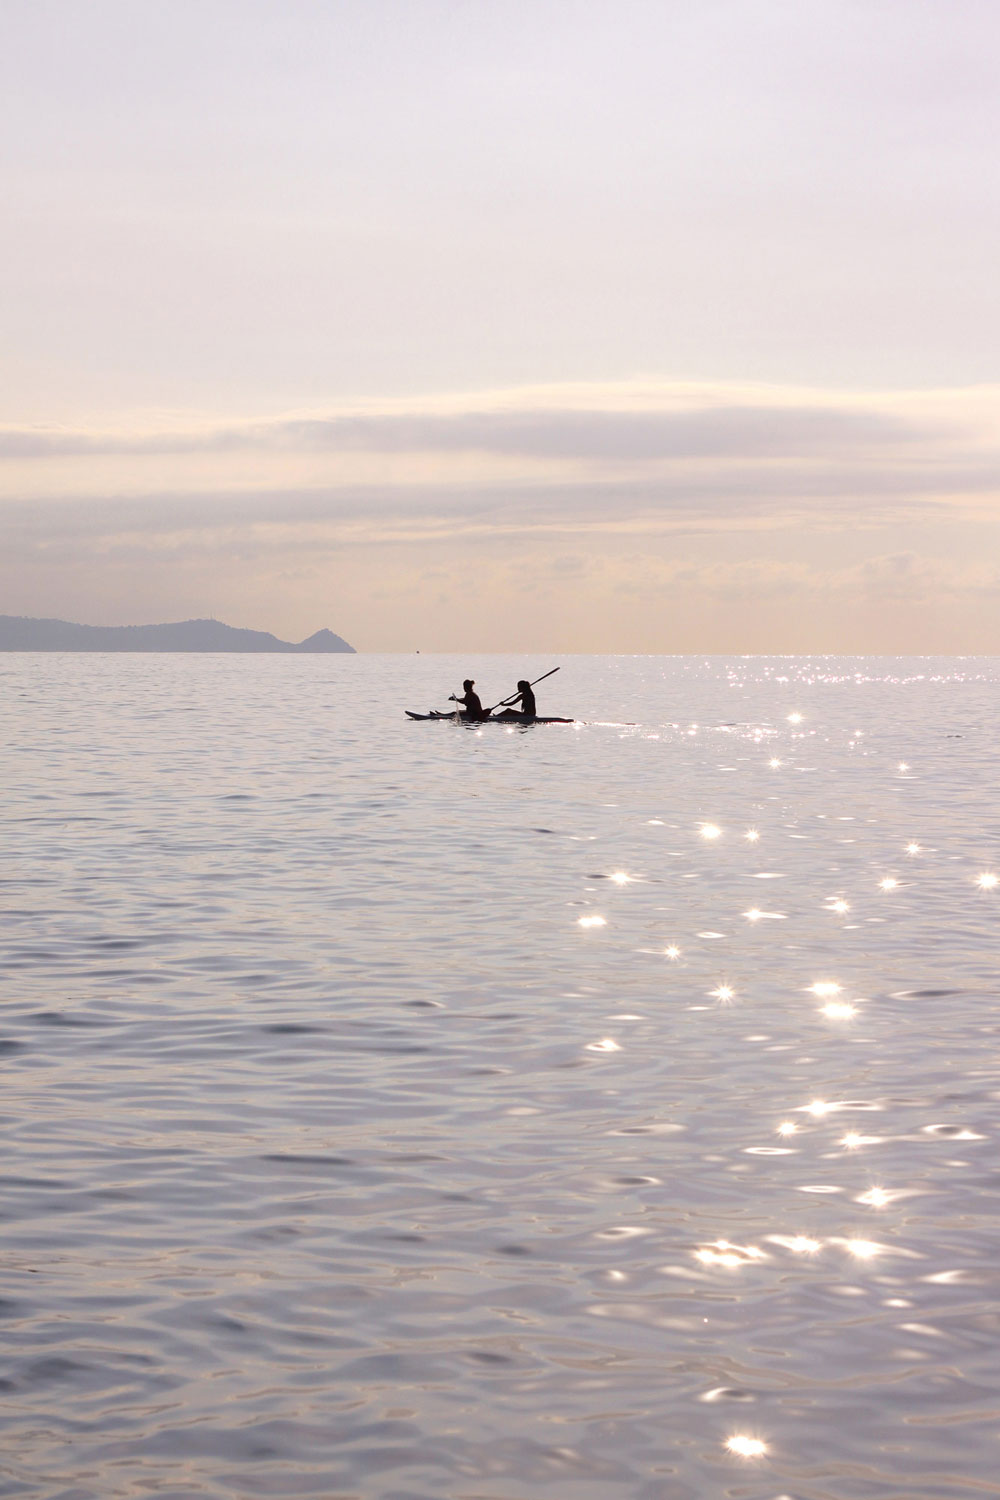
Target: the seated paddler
pixel 470 700
pixel 524 700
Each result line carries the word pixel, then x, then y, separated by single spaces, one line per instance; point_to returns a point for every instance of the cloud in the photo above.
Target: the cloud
pixel 629 456
pixel 629 436
pixel 912 576
pixel 690 509
pixel 630 422
pixel 306 519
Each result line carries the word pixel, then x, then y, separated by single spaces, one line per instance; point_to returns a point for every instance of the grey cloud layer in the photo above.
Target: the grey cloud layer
pixel 746 432
pixel 724 432
pixel 839 496
pixel 715 465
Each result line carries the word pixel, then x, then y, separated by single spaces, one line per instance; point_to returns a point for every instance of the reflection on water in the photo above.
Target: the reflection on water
pixel 361 1140
pixel 745 1445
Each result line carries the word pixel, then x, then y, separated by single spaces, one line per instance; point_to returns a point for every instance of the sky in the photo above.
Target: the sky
pixel 530 325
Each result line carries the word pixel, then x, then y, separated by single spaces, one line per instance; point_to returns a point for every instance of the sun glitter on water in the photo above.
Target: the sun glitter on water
pixel 724 1253
pixel 864 1249
pixel 745 1446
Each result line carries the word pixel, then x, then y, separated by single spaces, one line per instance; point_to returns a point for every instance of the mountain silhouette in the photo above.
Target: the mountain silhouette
pixel 18 633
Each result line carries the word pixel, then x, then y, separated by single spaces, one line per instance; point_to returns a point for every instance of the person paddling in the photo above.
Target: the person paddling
pixel 526 698
pixel 470 700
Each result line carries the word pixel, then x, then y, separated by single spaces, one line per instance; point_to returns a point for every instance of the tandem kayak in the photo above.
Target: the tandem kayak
pixel 504 718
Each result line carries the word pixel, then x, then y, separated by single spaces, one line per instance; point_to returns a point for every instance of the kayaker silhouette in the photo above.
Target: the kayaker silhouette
pixel 469 700
pixel 526 698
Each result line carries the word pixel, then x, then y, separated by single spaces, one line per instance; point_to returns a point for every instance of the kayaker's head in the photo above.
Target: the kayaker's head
pixel 522 684
pixel 468 684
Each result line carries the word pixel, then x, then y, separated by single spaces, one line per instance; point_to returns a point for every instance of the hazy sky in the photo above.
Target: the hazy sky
pixel 661 325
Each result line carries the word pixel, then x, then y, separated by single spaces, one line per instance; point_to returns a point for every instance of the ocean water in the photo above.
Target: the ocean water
pixel 407 1111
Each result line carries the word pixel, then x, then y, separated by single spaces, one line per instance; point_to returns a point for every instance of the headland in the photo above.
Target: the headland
pixel 19 633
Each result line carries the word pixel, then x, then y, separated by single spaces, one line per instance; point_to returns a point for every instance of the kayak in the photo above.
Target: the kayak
pixel 495 719
pixel 505 718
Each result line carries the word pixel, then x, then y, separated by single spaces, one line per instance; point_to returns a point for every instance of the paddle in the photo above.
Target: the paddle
pixel 514 696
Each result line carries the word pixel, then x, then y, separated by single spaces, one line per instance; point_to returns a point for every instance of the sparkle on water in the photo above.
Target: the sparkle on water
pixel 854 1138
pixel 323 1172
pixel 722 1253
pixel 746 1446
pixel 838 1010
pixel 818 1108
pixel 865 1249
pixel 798 1244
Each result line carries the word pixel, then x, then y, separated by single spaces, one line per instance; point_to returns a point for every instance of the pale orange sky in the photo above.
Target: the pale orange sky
pixel 574 326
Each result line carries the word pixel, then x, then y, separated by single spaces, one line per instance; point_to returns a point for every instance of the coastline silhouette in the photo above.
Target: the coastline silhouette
pixel 21 633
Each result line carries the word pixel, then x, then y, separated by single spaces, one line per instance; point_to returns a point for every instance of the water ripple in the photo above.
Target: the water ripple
pixel 393 1112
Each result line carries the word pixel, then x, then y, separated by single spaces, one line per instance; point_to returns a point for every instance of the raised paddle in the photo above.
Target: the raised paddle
pixel 507 701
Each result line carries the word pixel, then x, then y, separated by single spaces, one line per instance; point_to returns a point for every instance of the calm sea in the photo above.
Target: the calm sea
pixel 405 1111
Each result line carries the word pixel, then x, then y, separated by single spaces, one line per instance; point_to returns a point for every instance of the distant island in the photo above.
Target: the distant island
pixel 18 633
